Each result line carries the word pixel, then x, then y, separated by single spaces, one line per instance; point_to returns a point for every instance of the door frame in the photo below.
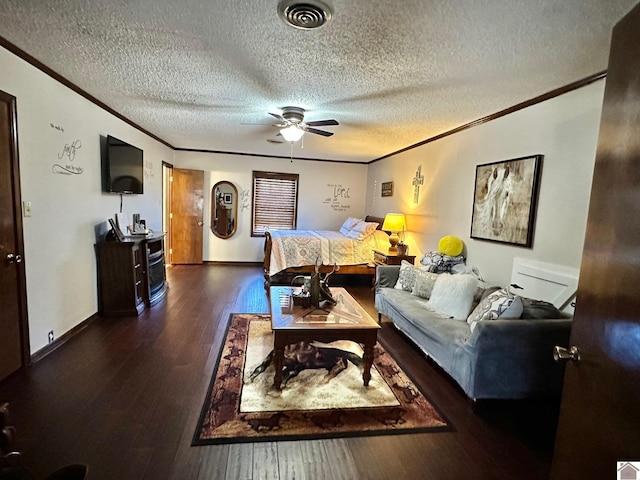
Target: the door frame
pixel 14 157
pixel 167 179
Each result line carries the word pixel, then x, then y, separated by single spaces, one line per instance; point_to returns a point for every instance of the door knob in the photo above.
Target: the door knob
pixel 561 353
pixel 11 258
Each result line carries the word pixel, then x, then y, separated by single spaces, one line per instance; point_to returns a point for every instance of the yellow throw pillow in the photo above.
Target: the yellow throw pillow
pixel 450 245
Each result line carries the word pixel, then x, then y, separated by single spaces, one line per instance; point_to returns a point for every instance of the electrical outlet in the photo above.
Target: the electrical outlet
pixel 51 338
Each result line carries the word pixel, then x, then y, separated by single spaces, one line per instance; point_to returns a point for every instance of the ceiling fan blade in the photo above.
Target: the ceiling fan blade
pixel 280 118
pixel 319 132
pixel 322 123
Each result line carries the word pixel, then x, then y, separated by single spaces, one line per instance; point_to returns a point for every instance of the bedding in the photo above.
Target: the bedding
pixel 294 248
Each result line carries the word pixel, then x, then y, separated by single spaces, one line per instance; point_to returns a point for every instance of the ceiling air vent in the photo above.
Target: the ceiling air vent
pixel 304 14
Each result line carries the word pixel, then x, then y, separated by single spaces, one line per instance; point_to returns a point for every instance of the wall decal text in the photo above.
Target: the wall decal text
pixel 338 198
pixel 244 199
pixel 68 154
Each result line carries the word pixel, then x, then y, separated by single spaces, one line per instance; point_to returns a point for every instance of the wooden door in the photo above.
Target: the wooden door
pixel 187 203
pixel 14 337
pixel 600 411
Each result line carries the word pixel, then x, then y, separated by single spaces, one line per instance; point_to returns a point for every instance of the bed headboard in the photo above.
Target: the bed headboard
pixel 557 284
pixel 378 220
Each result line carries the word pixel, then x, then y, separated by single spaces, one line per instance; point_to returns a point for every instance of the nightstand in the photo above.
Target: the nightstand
pixel 386 258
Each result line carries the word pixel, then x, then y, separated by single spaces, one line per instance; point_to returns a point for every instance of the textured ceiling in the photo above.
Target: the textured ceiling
pixel 393 73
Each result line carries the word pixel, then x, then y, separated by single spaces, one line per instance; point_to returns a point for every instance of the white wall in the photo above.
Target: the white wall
pixel 328 194
pixel 563 129
pixel 59 236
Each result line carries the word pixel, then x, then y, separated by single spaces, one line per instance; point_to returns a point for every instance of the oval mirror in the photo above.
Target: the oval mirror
pixel 224 209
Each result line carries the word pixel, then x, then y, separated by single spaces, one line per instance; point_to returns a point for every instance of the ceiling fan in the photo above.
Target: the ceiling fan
pixel 292 125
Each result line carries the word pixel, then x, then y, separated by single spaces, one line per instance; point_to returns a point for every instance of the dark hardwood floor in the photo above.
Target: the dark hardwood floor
pixel 124 395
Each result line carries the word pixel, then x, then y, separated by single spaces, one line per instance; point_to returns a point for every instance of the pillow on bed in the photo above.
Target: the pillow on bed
pixel 362 230
pixel 348 224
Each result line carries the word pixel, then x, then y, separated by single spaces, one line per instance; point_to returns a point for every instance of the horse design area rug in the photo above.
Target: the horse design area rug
pixel 323 395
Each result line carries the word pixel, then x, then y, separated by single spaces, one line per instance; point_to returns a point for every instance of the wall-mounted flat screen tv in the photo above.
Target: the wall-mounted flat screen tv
pixel 123 167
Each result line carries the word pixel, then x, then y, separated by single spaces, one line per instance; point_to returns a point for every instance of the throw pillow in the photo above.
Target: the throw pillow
pixel 500 304
pixel 450 245
pixel 424 283
pixel 439 262
pixel 407 276
pixel 362 230
pixel 538 309
pixel 348 224
pixel 453 295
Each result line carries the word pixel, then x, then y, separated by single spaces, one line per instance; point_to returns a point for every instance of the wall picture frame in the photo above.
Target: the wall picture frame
pixel 228 198
pixel 505 200
pixel 387 189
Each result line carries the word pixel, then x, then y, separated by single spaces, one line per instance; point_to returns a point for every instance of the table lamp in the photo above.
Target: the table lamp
pixel 393 223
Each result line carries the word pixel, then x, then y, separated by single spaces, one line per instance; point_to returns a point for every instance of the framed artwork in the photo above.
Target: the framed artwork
pixel 505 200
pixel 387 189
pixel 228 198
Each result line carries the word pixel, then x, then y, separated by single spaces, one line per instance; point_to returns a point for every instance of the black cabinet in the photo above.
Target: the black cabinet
pixel 131 275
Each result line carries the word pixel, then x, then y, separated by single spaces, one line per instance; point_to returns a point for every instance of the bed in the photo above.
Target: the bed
pixel 295 252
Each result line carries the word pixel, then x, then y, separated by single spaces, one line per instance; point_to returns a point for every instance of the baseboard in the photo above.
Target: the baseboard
pixel 58 342
pixel 243 264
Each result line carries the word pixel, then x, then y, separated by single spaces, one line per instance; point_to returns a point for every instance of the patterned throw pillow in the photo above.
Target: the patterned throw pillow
pixel 348 224
pixel 424 283
pixel 407 276
pixel 500 304
pixel 439 262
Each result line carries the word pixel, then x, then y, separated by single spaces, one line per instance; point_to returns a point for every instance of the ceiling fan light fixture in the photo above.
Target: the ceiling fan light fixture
pixel 292 133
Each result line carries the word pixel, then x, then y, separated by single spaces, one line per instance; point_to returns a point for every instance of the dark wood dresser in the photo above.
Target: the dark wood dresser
pixel 131 274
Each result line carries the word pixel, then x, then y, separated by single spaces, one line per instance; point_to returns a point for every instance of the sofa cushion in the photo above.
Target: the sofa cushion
pixel 499 304
pixel 441 331
pixel 453 295
pixel 424 284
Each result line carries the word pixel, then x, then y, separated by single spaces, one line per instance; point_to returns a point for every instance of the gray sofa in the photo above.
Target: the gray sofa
pixel 498 359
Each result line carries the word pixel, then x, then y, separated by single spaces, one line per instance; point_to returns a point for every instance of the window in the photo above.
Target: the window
pixel 275 202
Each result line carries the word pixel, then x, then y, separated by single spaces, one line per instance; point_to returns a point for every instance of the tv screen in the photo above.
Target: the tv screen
pixel 123 167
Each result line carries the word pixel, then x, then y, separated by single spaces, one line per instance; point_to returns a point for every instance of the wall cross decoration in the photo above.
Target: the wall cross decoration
pixel 417 181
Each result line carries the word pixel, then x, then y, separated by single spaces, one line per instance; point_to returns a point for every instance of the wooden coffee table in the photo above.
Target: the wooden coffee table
pixel 345 321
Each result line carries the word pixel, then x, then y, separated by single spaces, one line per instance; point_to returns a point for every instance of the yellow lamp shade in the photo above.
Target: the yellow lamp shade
pixel 393 222
pixel 450 245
